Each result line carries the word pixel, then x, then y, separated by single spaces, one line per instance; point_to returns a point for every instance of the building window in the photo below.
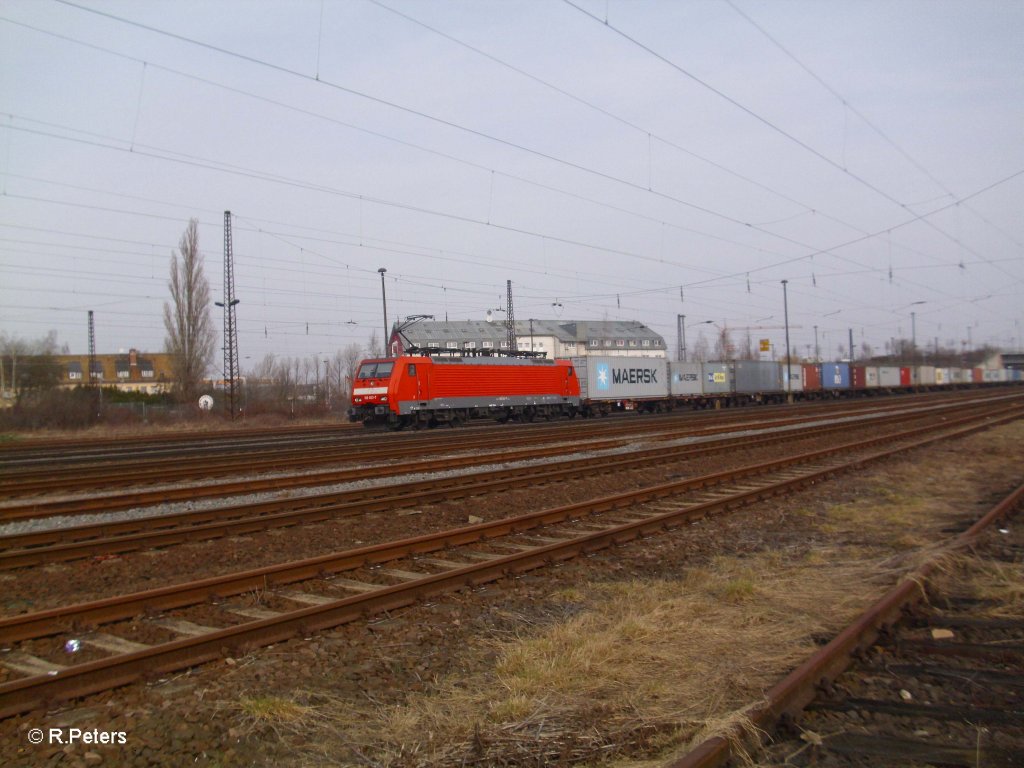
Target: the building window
pixel 488 345
pixel 470 345
pixel 647 342
pixel 632 342
pixel 504 345
pixel 74 374
pixel 595 343
pixel 620 342
pixel 452 345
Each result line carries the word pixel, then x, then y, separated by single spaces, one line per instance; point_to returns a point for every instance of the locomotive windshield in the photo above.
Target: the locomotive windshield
pixel 381 370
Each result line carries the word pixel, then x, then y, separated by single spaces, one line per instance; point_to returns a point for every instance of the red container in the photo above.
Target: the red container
pixel 977 375
pixel 858 377
pixel 812 378
pixel 905 380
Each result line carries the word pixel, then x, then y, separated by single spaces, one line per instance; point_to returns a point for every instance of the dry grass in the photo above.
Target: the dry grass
pixel 648 668
pixel 275 713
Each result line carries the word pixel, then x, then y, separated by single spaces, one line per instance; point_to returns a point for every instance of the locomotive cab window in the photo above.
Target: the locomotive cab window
pixel 412 369
pixel 375 370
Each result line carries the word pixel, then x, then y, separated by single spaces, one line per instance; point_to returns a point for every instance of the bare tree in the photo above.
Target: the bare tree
pixel 190 335
pixel 724 349
pixel 352 355
pixel 27 364
pixel 700 352
pixel 373 346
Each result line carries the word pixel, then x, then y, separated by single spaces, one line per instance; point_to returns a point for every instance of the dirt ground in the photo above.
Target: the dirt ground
pixel 622 658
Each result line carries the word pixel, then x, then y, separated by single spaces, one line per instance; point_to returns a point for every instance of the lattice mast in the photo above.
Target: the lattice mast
pixel 510 322
pixel 92 351
pixel 230 329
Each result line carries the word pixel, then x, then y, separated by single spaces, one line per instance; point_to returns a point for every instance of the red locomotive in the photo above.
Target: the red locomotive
pixel 427 391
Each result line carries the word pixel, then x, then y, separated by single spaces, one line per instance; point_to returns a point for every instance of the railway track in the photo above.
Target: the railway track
pixel 27 471
pixel 470 455
pixel 917 679
pixel 346 586
pixel 65 543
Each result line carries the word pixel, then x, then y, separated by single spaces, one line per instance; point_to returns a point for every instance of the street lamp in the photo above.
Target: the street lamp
pixel 384 298
pixel 785 309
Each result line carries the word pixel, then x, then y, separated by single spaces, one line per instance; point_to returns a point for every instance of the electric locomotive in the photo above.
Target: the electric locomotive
pixel 420 391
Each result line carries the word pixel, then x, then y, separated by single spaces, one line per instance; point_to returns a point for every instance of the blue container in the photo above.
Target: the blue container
pixel 835 375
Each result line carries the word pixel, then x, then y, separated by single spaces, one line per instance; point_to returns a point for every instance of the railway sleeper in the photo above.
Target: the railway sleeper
pixel 912 751
pixel 939 712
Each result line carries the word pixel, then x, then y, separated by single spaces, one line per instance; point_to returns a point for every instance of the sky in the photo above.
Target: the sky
pixel 616 160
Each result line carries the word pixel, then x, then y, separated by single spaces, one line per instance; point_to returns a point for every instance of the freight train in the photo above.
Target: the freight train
pixel 425 391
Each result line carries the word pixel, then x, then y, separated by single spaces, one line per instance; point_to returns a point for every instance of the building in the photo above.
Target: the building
pixel 133 371
pixel 550 338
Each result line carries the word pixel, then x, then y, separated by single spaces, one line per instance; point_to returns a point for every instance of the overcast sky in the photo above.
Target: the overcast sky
pixel 614 160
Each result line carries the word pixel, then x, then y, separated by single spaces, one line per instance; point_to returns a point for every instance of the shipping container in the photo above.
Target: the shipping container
pixel 716 378
pixel 871 376
pixel 755 376
pixel 978 375
pixel 858 377
pixel 835 375
pixel 889 376
pixel 997 376
pixel 622 378
pixel 942 376
pixel 796 378
pixel 924 375
pixel 812 377
pixel 906 376
pixel 686 379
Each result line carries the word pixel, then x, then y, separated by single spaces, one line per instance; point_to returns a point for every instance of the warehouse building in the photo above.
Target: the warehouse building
pixel 549 338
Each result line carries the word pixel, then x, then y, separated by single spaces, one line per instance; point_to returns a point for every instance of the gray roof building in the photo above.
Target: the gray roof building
pixel 551 338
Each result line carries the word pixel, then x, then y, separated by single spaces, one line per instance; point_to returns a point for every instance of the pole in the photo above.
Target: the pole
pixel 850 330
pixel 681 319
pixel 817 349
pixel 913 333
pixel 384 299
pixel 785 310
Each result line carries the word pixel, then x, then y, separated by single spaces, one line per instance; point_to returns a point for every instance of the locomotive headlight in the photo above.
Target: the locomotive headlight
pixel 383 398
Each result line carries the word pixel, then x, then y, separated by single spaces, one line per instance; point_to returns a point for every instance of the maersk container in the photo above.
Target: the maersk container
pixel 924 375
pixel 622 378
pixel 716 378
pixel 835 375
pixel 812 377
pixel 796 377
pixel 685 379
pixel 889 376
pixel 757 376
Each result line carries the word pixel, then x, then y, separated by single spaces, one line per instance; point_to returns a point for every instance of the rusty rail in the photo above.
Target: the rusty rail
pixel 798 688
